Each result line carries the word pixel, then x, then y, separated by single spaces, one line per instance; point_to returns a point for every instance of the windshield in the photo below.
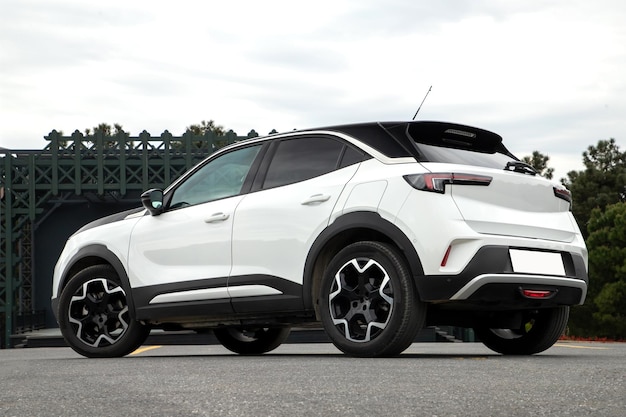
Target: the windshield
pixel 433 153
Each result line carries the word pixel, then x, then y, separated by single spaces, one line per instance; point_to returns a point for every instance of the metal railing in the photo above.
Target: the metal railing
pixel 33 182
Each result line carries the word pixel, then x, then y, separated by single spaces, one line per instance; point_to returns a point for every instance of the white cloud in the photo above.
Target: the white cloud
pixel 546 75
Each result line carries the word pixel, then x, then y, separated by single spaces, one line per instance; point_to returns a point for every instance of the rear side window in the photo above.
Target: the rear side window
pixel 303 158
pixel 351 156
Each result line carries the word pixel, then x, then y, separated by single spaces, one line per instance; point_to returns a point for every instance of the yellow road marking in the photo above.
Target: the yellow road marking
pixel 580 347
pixel 144 349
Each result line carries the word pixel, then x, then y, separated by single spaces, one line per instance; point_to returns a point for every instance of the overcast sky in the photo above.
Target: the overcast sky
pixel 546 75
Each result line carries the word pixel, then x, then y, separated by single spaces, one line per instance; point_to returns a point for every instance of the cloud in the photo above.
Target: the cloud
pixel 547 75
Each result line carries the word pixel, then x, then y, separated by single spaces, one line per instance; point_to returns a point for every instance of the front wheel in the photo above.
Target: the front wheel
pixel 251 341
pixel 539 331
pixel 94 317
pixel 368 305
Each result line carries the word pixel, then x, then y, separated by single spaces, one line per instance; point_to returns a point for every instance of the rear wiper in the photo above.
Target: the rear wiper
pixel 519 166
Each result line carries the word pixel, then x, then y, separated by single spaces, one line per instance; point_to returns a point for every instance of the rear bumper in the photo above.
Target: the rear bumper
pixel 489 278
pixel 485 287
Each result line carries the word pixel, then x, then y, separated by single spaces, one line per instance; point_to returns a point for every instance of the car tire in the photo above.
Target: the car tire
pixel 540 331
pixel 368 304
pixel 251 341
pixel 94 316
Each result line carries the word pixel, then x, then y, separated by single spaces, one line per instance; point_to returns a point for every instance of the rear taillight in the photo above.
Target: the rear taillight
pixel 563 193
pixel 436 182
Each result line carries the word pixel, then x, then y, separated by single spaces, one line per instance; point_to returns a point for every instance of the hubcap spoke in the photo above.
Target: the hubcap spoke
pixel 361 299
pixel 99 313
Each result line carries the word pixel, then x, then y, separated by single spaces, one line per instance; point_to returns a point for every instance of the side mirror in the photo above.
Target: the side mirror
pixel 152 200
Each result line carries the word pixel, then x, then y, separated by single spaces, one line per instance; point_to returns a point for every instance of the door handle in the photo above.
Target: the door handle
pixel 216 217
pixel 316 198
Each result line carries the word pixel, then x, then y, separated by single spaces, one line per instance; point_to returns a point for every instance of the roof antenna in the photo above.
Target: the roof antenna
pixel 423 100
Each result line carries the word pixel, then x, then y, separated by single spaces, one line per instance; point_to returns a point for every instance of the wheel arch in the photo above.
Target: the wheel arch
pixel 347 229
pixel 96 254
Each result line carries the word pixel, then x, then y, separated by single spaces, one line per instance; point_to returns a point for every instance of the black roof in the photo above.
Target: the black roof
pixel 397 139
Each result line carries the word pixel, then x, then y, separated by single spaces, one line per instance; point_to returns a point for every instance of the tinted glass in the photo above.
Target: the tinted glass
pixel 463 157
pixel 220 178
pixel 351 156
pixel 301 159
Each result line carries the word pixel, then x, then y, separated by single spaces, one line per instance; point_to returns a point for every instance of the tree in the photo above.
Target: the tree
pixel 602 182
pixel 604 157
pixel 204 126
pixel 607 270
pixel 595 190
pixel 108 132
pixel 539 162
pixel 106 129
pixel 206 129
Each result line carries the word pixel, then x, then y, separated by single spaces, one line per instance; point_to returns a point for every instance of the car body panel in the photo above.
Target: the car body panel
pixel 257 257
pixel 112 237
pixel 274 229
pixel 187 244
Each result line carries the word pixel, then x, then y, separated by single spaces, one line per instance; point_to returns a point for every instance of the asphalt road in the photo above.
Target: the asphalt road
pixel 429 379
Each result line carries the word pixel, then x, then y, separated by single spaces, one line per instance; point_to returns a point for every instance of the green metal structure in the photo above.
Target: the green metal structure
pixel 35 183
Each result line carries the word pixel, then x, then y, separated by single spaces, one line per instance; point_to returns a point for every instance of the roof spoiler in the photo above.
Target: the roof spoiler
pixel 451 135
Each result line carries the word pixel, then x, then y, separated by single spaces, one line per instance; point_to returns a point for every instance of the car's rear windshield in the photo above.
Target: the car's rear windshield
pixel 432 153
pixel 458 144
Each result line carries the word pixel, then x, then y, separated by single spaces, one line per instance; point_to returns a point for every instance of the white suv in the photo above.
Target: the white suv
pixel 374 229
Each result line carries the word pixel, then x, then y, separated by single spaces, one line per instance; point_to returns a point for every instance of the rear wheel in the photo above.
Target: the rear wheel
pixel 368 304
pixel 251 341
pixel 540 330
pixel 94 316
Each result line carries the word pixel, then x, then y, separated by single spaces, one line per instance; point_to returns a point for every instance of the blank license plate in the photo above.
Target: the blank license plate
pixel 534 262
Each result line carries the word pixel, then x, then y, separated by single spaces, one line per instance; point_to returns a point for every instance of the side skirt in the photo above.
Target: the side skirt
pixel 218 299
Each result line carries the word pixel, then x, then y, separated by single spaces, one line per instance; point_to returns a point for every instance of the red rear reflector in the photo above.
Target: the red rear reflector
pixel 537 293
pixel 444 261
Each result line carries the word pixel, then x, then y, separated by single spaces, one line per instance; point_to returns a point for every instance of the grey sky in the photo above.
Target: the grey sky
pixel 546 75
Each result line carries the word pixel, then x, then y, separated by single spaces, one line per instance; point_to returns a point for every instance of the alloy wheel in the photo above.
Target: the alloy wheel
pixel 98 312
pixel 361 299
